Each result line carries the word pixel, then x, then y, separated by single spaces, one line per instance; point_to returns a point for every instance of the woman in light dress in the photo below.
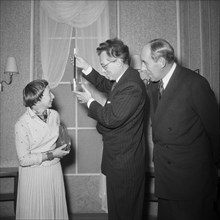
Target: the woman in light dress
pixel 41 192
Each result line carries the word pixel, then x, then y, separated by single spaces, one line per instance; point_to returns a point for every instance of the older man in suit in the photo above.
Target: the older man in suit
pixel 121 123
pixel 185 131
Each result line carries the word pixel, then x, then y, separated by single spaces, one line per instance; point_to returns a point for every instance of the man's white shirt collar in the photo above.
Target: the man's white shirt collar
pixel 119 78
pixel 168 75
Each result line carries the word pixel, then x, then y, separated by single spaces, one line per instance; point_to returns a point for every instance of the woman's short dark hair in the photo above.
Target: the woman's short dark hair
pixel 33 92
pixel 162 48
pixel 114 48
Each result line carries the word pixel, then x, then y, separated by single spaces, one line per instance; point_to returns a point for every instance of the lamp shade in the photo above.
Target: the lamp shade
pixel 11 66
pixel 135 62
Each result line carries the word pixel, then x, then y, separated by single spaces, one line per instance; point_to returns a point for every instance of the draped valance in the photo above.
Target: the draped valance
pixel 77 14
pixel 89 19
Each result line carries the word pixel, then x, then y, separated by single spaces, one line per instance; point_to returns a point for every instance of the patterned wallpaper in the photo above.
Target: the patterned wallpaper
pixel 15 41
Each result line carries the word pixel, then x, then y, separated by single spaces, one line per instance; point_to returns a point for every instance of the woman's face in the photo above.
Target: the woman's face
pixel 47 99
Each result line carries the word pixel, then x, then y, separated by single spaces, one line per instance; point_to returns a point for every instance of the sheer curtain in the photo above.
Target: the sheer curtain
pixel 57 20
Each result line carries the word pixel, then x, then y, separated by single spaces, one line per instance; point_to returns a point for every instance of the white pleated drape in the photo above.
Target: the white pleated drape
pixel 90 22
pixel 57 20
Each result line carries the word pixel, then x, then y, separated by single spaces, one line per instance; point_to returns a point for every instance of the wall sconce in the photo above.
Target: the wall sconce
pixel 10 68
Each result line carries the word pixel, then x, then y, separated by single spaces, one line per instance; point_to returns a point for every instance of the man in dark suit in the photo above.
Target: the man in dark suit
pixel 121 123
pixel 185 135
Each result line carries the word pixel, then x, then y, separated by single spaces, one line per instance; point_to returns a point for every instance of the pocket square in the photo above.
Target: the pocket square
pixel 108 102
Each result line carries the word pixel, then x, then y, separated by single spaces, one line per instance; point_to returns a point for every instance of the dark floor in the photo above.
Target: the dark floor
pixel 84 217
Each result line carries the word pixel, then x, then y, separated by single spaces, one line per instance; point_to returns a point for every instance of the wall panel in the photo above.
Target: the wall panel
pixel 142 21
pixel 15 41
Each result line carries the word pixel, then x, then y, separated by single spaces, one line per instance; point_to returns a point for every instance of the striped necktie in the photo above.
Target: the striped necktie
pixel 160 89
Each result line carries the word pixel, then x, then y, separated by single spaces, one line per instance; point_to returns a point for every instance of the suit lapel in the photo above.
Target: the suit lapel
pixel 154 95
pixel 120 82
pixel 168 94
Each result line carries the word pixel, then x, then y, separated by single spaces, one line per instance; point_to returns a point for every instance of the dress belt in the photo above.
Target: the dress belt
pixel 47 163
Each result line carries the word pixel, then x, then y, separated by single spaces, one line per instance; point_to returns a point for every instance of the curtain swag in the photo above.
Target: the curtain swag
pixel 57 21
pixel 78 14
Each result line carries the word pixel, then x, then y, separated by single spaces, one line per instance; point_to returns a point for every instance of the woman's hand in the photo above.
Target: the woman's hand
pixel 60 152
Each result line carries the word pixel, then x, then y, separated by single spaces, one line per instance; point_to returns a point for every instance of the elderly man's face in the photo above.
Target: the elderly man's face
pixel 149 66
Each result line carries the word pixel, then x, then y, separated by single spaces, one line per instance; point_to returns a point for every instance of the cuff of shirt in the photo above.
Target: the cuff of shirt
pixel 90 101
pixel 88 71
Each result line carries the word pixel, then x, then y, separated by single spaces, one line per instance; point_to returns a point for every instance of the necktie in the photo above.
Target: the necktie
pixel 43 116
pixel 113 86
pixel 160 89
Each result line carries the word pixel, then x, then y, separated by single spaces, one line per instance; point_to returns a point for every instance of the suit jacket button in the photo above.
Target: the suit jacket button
pixel 170 129
pixel 168 162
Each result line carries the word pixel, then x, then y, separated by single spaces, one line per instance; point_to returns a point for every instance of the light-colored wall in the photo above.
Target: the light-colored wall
pixel 139 21
pixel 142 21
pixel 15 41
